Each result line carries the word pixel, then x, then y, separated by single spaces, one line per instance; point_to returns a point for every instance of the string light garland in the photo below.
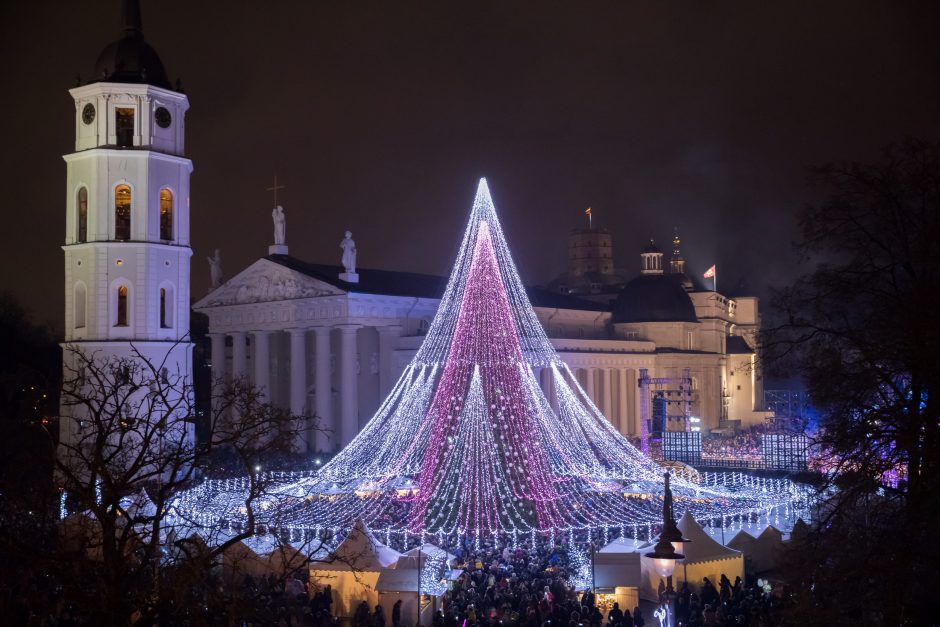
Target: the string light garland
pixel 467 443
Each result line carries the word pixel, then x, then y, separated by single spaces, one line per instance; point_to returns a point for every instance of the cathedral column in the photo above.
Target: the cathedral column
pixel 239 355
pixel 608 404
pixel 622 398
pixel 589 384
pixel 637 401
pixel 349 399
pixel 262 363
pixel 218 357
pixel 388 339
pixel 326 435
pixel 298 381
pixel 218 377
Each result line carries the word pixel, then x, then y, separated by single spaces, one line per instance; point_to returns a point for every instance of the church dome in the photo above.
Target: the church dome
pixel 652 249
pixel 130 59
pixel 654 298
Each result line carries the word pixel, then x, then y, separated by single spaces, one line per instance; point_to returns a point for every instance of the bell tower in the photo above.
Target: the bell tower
pixel 127 247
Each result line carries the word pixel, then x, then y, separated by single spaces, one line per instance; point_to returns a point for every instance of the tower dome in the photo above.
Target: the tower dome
pixel 130 59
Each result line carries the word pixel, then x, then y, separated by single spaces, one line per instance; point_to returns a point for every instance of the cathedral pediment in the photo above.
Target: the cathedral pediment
pixel 264 282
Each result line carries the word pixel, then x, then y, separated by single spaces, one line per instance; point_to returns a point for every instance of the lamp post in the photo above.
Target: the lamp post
pixel 667 551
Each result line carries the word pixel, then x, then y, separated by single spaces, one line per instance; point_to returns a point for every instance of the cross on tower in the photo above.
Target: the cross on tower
pixel 274 189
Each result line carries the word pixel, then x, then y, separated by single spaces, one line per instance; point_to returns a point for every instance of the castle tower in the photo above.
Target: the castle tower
pixel 590 250
pixel 127 247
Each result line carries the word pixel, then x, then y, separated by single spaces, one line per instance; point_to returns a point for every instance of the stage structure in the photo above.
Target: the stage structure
pixel 671 398
pixel 683 446
pixel 467 444
pixel 785 451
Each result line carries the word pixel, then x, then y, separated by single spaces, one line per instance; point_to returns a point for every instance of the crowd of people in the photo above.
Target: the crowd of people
pixel 743 445
pixel 728 604
pixel 501 586
pixel 527 586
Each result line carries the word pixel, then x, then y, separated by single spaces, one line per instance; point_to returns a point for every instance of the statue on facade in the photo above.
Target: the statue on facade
pixel 215 269
pixel 349 253
pixel 280 225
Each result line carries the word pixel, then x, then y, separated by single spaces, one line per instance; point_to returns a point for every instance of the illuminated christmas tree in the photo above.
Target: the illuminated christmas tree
pixel 468 443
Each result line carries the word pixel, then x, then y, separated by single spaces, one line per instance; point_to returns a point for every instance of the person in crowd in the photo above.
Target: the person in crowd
pixel 378 617
pixel 361 616
pixel 615 615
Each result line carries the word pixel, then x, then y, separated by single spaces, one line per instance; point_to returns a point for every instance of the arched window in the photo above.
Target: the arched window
pixel 82 230
pixel 166 214
pixel 166 307
pixel 122 213
pixel 121 306
pixel 80 304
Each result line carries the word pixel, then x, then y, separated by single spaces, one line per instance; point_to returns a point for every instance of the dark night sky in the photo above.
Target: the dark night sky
pixel 379 116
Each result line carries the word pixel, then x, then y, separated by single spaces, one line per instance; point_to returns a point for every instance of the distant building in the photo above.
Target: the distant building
pixel 591 272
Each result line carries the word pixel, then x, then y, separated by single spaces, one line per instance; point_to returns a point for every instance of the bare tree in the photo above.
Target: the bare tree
pixel 127 452
pixel 861 328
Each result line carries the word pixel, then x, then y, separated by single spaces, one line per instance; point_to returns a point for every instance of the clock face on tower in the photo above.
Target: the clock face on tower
pixel 162 116
pixel 88 113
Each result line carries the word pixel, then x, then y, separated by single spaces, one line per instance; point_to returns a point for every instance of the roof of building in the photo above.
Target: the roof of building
pixel 654 298
pixel 594 230
pixel 130 59
pixel 415 285
pixel 737 345
pixel 701 547
pixel 585 283
pixel 652 248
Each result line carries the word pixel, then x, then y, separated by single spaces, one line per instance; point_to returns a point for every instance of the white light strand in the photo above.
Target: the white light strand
pixel 468 444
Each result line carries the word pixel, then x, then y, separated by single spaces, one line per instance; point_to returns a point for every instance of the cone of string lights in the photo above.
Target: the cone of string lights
pixel 468 444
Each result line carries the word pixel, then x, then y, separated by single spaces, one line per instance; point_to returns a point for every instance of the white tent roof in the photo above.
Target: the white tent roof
pixel 771 534
pixel 701 547
pixel 139 504
pixel 741 541
pixel 398 580
pixel 360 551
pixel 623 545
pixel 262 544
pixel 429 550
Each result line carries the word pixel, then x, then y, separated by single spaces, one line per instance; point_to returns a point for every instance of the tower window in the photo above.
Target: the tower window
pixel 122 213
pixel 124 126
pixel 121 306
pixel 166 214
pixel 82 231
pixel 166 307
pixel 80 304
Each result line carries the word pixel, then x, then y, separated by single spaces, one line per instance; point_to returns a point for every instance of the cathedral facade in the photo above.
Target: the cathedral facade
pixel 326 342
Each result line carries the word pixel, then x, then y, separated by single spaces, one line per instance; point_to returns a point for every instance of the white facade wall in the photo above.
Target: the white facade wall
pixel 609 356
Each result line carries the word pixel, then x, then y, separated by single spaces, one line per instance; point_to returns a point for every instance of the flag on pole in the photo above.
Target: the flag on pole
pixel 712 274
